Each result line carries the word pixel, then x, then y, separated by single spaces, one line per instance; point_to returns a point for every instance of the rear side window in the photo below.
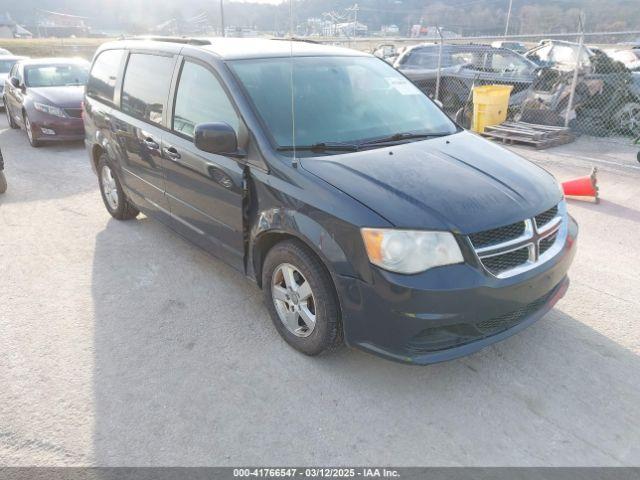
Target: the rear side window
pixel 146 86
pixel 102 80
pixel 201 98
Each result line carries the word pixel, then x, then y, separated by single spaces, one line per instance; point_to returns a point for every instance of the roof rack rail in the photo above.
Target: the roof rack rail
pixel 295 39
pixel 160 38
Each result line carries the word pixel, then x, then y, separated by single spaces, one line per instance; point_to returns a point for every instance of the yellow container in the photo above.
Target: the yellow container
pixel 490 105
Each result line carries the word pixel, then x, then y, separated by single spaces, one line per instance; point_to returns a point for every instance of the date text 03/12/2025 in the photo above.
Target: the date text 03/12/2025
pixel 315 472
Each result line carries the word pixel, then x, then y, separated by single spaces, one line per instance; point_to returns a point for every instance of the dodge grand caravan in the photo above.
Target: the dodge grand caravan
pixel 329 179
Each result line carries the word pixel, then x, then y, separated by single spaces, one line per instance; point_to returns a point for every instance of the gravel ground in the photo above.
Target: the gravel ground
pixel 122 344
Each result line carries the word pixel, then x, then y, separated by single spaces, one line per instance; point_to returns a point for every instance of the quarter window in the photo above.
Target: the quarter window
pixel 201 98
pixel 146 86
pixel 102 80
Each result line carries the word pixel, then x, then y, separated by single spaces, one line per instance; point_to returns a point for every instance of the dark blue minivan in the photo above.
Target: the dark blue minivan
pixel 324 175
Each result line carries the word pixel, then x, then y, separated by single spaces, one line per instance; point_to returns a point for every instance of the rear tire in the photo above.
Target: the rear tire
pixel 309 293
pixel 3 182
pixel 113 196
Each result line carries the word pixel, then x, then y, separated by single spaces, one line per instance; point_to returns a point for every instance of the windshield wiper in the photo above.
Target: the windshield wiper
pixel 321 147
pixel 399 137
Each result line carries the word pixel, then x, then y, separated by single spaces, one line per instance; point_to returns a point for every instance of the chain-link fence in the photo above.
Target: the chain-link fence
pixel 588 82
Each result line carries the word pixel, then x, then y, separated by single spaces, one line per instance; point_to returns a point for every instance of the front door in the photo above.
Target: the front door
pixel 204 190
pixel 14 95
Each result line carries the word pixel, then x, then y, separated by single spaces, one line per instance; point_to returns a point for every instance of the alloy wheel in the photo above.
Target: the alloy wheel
pixel 294 300
pixel 109 187
pixel 27 126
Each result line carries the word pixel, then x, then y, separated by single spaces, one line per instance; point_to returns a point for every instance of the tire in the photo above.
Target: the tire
pixel 321 301
pixel 12 123
pixel 628 118
pixel 3 182
pixel 114 198
pixel 33 141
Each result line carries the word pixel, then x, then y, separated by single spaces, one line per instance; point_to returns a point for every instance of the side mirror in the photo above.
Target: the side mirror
pixel 216 137
pixel 15 82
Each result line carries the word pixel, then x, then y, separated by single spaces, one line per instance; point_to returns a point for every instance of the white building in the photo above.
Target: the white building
pixel 390 30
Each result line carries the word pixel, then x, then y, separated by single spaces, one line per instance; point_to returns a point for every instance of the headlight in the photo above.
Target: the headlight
pixel 50 109
pixel 408 251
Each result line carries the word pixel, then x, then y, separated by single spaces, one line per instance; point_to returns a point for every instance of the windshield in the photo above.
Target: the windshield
pixel 337 99
pixel 5 65
pixel 58 75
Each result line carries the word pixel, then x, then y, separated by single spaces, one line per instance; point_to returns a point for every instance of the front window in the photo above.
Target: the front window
pixel 5 65
pixel 201 98
pixel 426 58
pixel 337 99
pixel 506 63
pixel 56 75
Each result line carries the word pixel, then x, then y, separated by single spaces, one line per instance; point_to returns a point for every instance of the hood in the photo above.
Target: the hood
pixel 460 183
pixel 65 97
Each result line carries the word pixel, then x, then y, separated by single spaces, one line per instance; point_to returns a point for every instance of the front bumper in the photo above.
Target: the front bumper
pixel 449 312
pixel 64 129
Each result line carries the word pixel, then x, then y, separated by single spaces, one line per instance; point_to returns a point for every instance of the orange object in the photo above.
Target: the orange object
pixel 583 187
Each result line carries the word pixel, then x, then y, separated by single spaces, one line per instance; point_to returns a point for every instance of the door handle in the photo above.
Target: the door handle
pixel 171 153
pixel 151 143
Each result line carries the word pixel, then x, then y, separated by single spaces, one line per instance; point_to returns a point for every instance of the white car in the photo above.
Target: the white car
pixel 630 58
pixel 4 51
pixel 6 62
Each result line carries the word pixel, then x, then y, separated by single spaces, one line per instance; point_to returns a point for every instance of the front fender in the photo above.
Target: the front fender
pixel 293 223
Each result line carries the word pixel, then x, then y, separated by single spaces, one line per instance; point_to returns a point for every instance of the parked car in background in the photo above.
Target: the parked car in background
pixel 517 47
pixel 462 66
pixel 607 90
pixel 560 54
pixel 377 221
pixel 386 51
pixel 629 57
pixel 6 63
pixel 44 97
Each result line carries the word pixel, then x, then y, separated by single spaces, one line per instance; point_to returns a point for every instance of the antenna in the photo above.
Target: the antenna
pixel 293 110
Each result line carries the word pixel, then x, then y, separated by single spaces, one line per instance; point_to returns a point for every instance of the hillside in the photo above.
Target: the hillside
pixel 462 16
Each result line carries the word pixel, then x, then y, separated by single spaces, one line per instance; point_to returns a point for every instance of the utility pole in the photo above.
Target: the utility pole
pixel 222 17
pixel 354 9
pixel 506 28
pixel 574 81
pixel 355 20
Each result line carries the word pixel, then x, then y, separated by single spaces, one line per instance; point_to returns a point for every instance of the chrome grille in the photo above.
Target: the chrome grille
pixel 546 217
pixel 547 242
pixel 497 235
pixel 506 261
pixel 520 246
pixel 74 112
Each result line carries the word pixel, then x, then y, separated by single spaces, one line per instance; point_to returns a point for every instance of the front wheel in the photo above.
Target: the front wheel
pixel 33 141
pixel 3 182
pixel 113 196
pixel 301 298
